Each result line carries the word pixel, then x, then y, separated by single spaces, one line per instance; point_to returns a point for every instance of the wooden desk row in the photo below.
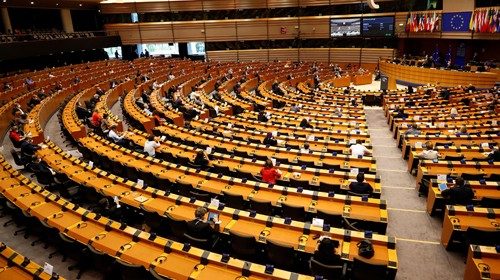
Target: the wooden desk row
pixel 490 189
pixel 429 168
pixel 262 227
pixel 458 218
pixel 17 267
pixel 450 140
pixel 248 135
pixel 373 210
pixel 468 153
pixel 129 245
pixel 318 159
pixel 483 263
pixel 313 176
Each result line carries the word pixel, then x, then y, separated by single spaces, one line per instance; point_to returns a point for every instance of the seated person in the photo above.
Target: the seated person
pixel 262 117
pixel 429 152
pixel 200 227
pixel 28 149
pixel 150 145
pixel 305 148
pixel 270 140
pixel 201 159
pixel 453 112
pixel 358 149
pixel 412 130
pixel 326 251
pixel 269 173
pixel 462 131
pixel 304 123
pixel 117 137
pixel 460 194
pixel 96 119
pixel 360 186
pixel 16 136
pixel 494 155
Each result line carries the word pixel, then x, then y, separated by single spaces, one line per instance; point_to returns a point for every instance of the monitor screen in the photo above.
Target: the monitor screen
pixel 378 26
pixel 345 27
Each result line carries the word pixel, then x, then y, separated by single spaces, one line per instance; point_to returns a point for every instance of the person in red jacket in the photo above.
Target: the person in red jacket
pixel 269 173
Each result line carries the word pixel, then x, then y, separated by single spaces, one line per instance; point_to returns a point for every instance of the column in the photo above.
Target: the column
pixel 6 20
pixel 67 22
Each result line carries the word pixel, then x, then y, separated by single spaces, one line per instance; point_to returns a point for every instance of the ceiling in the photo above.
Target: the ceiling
pixel 73 4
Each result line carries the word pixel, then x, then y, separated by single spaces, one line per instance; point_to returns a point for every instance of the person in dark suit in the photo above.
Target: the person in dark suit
pixel 325 251
pixel 304 123
pixel 201 159
pixel 460 194
pixel 269 140
pixel 200 227
pixel 360 186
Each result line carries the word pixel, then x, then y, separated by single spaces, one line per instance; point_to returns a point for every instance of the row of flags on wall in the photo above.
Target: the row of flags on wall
pixel 485 20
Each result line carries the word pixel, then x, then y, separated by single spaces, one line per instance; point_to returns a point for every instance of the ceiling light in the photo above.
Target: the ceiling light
pixel 32 2
pixel 80 4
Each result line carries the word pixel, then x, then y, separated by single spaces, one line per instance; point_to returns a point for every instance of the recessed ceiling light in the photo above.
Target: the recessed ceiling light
pixel 32 2
pixel 80 4
pixel 57 4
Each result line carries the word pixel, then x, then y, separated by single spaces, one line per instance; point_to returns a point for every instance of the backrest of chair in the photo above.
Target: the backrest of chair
pixel 233 200
pixel 242 245
pixel 482 237
pixel 334 220
pixel 490 202
pixel 262 207
pixel 178 227
pixel 362 270
pixel 327 271
pixel 294 212
pixel 197 242
pixel 280 254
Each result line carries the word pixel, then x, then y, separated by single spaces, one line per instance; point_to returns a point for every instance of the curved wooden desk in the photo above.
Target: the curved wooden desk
pixel 447 78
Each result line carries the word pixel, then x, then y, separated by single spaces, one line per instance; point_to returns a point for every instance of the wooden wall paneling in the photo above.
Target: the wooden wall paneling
pixel 400 18
pixel 254 55
pixel 220 30
pixel 314 27
pixel 372 55
pixel 276 24
pixel 283 54
pixel 186 5
pixel 456 35
pixel 189 31
pixel 124 8
pixel 225 56
pixel 339 55
pixel 250 4
pixel 129 32
pixel 219 5
pixel 252 29
pixel 314 54
pixel 282 3
pixel 487 36
pixel 157 32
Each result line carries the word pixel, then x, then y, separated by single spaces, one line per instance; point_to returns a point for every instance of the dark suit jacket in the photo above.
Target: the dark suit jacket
pixel 361 188
pixel 200 229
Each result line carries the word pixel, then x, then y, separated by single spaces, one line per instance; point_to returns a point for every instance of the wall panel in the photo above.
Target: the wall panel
pixel 334 55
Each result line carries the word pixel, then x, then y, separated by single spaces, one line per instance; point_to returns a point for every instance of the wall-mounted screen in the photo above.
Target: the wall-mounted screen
pixel 345 27
pixel 378 26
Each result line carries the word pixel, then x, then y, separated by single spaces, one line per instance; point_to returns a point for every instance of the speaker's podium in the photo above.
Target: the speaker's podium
pixel 384 82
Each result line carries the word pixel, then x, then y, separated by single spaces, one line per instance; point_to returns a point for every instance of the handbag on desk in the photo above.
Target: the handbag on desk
pixel 365 248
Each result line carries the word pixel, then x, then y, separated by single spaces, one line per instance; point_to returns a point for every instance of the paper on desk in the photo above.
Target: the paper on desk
pixel 163 138
pixel 354 171
pixel 418 145
pixel 310 137
pixel 441 177
pixel 48 268
pixel 274 133
pixel 273 160
pixel 91 164
pixel 318 222
pixel 140 183
pixel 208 150
pixel 485 145
pixel 214 202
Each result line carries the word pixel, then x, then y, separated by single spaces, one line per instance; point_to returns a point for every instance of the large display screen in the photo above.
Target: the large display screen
pixel 345 27
pixel 378 26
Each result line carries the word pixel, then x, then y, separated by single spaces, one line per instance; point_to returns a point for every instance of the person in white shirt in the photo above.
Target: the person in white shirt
pixel 305 148
pixel 358 149
pixel 453 112
pixel 118 138
pixel 429 152
pixel 150 146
